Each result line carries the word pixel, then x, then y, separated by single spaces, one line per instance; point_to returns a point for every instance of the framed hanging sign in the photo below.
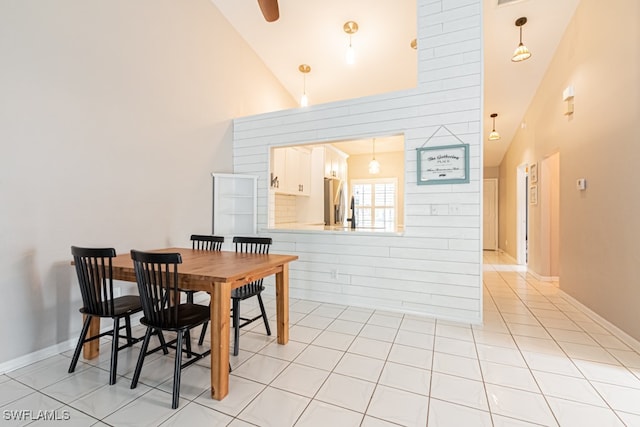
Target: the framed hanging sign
pixel 447 164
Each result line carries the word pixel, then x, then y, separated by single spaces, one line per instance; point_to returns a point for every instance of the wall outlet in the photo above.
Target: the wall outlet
pixel 334 274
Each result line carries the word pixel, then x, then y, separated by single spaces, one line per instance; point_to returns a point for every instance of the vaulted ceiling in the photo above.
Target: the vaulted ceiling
pixel 311 32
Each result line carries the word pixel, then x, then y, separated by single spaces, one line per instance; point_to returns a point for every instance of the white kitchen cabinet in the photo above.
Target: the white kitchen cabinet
pixel 278 164
pixel 335 163
pixel 291 171
pixel 310 210
pixel 234 204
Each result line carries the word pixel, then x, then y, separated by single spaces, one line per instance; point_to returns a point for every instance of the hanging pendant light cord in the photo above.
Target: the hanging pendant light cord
pixel 520 35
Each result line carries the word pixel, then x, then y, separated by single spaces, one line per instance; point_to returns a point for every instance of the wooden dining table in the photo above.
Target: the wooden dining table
pixel 217 272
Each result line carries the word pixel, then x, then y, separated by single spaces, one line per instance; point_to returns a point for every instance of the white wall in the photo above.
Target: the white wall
pixel 435 267
pixel 113 114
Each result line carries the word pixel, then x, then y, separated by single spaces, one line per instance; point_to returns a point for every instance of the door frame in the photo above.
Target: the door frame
pixel 522 222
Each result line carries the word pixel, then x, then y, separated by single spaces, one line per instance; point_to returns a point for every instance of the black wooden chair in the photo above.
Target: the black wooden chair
pixel 93 266
pixel 203 243
pixel 206 242
pixel 258 245
pixel 157 278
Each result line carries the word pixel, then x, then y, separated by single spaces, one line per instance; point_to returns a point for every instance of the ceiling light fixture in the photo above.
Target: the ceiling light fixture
pixel 350 27
pixel 304 69
pixel 374 166
pixel 414 44
pixel 494 136
pixel 521 53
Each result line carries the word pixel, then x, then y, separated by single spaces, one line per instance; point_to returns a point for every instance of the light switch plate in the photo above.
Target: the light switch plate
pixel 581 184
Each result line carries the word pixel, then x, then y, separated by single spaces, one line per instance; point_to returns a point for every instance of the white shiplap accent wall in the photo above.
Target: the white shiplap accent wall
pixel 435 267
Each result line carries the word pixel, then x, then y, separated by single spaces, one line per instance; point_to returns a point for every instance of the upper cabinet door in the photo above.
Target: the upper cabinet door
pixel 291 171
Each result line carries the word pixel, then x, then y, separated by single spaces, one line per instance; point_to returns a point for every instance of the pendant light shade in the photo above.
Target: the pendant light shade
pixel 522 52
pixel 304 69
pixel 494 136
pixel 374 165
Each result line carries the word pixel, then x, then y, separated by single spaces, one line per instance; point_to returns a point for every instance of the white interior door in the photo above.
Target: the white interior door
pixel 490 214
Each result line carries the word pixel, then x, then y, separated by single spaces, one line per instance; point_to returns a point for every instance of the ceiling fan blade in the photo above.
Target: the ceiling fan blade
pixel 269 9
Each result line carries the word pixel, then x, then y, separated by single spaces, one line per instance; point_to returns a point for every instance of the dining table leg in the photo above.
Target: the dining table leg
pixel 91 349
pixel 220 309
pixel 282 304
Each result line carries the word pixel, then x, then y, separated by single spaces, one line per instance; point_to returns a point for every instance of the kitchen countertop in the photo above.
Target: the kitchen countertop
pixel 338 229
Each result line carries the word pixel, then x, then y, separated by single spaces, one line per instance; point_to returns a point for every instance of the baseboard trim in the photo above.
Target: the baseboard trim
pixel 617 332
pixel 543 278
pixel 38 355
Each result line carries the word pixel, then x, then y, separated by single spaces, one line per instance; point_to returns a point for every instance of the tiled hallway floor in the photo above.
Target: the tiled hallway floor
pixel 537 360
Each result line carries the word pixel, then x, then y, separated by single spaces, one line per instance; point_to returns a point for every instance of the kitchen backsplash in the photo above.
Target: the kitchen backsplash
pixel 285 209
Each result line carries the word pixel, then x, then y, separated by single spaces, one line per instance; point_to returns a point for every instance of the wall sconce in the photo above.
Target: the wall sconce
pixel 374 165
pixel 304 69
pixel 521 53
pixel 494 136
pixel 350 27
pixel 414 44
pixel 567 96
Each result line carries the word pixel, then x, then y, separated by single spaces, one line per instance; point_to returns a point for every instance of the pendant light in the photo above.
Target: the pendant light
pixel 374 166
pixel 521 53
pixel 304 69
pixel 350 27
pixel 494 136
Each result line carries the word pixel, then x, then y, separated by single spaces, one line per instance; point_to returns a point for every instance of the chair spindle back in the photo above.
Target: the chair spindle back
pixel 256 245
pixel 93 267
pixel 206 243
pixel 157 278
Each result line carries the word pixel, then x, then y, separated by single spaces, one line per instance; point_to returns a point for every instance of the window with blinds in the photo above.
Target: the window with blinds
pixel 375 203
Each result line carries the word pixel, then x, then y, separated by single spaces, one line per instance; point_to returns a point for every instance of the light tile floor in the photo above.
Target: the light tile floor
pixel 537 360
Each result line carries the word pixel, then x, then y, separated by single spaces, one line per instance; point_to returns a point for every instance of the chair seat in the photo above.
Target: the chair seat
pixel 126 304
pixel 189 316
pixel 246 291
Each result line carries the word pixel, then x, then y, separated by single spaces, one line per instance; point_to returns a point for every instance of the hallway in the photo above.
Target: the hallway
pixel 537 360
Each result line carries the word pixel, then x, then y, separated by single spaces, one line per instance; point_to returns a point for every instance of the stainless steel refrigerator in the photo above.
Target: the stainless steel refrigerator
pixel 334 201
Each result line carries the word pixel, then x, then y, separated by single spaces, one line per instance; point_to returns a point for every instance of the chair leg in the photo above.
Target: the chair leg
pixel 83 334
pixel 127 321
pixel 236 327
pixel 264 315
pixel 163 343
pixel 176 373
pixel 114 351
pixel 187 336
pixel 203 333
pixel 143 353
pixel 190 297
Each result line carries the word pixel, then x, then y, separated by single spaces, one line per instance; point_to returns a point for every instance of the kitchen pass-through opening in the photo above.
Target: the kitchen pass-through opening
pixel 346 185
